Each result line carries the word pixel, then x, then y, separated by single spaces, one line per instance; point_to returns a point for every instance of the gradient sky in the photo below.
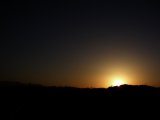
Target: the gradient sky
pixel 80 43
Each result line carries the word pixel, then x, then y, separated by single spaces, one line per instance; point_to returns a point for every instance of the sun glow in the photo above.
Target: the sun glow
pixel 118 81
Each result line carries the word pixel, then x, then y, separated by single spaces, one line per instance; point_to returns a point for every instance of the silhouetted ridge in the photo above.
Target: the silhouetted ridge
pixel 134 90
pixel 31 101
pixel 126 86
pixel 123 89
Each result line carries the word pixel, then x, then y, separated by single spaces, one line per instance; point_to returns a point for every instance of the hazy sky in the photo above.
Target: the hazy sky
pixel 80 43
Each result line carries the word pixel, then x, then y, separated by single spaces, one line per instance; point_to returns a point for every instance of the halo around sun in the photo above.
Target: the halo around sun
pixel 118 81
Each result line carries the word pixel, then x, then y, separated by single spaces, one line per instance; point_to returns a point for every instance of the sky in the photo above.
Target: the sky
pixel 80 43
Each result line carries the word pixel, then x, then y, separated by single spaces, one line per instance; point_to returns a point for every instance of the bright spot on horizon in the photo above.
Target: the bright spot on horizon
pixel 118 82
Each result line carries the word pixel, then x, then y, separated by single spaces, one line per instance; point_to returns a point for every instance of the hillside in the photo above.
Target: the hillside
pixel 27 101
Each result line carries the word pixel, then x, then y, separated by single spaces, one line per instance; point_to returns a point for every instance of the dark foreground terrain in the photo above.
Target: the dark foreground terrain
pixel 33 102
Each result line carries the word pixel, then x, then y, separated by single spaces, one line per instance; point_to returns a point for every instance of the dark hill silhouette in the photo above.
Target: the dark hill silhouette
pixel 31 101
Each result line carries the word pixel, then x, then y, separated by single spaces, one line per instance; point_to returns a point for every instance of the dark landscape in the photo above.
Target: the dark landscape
pixel 30 101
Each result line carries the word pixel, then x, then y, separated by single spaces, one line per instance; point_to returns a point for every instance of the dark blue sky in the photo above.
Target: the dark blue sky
pixel 75 43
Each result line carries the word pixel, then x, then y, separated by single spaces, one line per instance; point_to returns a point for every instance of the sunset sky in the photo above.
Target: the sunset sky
pixel 80 43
